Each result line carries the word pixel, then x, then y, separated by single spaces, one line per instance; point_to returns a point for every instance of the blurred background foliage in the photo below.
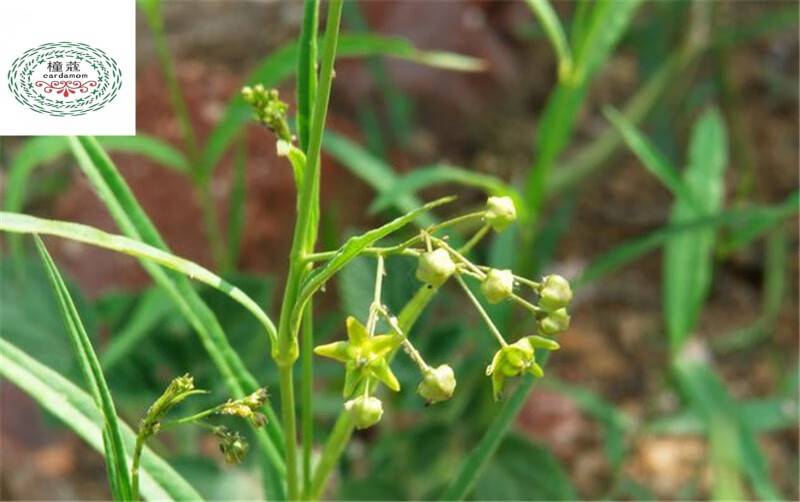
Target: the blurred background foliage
pixel 652 146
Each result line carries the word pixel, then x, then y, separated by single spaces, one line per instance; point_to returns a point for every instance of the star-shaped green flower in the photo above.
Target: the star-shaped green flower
pixel 363 356
pixel 516 359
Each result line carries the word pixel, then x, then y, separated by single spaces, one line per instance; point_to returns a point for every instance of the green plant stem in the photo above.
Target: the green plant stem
pixel 200 179
pixel 306 91
pixel 481 311
pixel 289 430
pixel 305 231
pixel 212 224
pixel 307 69
pixel 137 455
pixel 306 397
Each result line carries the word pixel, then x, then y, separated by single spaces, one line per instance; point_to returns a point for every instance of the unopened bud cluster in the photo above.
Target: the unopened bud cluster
pixel 268 110
pixel 366 355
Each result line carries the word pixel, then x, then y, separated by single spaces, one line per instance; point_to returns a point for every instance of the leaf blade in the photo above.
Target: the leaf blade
pixel 93 374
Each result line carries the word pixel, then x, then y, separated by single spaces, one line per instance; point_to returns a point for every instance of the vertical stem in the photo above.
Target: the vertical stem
pixel 211 223
pixel 289 430
pixel 137 455
pixel 306 409
pixel 484 315
pixel 307 69
pixel 286 350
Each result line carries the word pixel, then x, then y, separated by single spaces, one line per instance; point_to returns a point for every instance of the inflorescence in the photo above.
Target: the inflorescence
pixel 367 354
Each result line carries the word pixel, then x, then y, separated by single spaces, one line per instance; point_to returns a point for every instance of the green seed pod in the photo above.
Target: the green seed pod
pixel 437 384
pixel 365 411
pixel 554 293
pixel 498 285
pixel 554 323
pixel 247 93
pixel 500 212
pixel 435 267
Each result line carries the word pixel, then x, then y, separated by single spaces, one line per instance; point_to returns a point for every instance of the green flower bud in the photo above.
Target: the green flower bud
pixel 554 293
pixel 365 411
pixel 498 285
pixel 268 109
pixel 435 267
pixel 500 212
pixel 510 361
pixel 437 384
pixel 554 323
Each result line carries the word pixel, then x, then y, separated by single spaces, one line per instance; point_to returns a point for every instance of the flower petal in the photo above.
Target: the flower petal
pixel 335 350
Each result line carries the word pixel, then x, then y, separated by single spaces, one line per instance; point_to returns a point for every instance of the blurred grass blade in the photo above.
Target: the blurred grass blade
pixel 151 309
pixel 23 223
pixel 150 147
pixel 236 208
pixel 555 32
pixel 78 411
pixel 93 375
pixel 282 63
pixel 476 461
pixel 773 295
pixel 44 149
pixel 635 248
pixel 34 152
pixel 769 414
pixel 733 445
pixel 605 24
pixel 688 257
pixel 134 223
pixel 372 170
pixel 653 160
pixel 351 45
pixel 425 177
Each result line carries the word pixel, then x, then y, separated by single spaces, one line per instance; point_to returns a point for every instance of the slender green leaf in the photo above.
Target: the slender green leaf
pixel 425 177
pixel 653 160
pixel 78 411
pixel 688 257
pixel 134 223
pixel 555 32
pixel 22 223
pixel 639 246
pixel 607 22
pixel 604 26
pixel 93 375
pixel 150 147
pixel 768 414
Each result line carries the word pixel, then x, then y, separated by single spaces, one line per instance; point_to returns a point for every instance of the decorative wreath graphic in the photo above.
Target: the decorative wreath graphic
pixel 84 96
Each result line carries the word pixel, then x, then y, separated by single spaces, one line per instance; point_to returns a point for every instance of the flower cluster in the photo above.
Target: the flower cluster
pixel 232 444
pixel 367 355
pixel 268 110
